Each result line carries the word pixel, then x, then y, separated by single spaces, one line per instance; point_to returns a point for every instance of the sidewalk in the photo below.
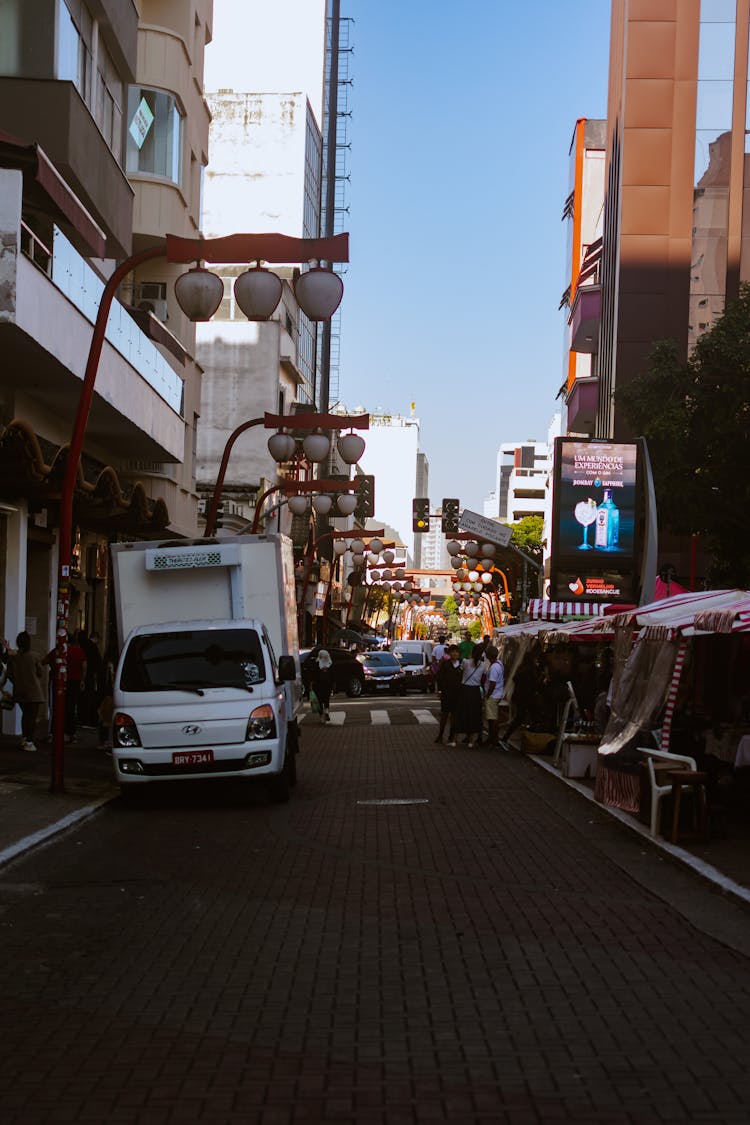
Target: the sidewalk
pixel 29 812
pixel 724 860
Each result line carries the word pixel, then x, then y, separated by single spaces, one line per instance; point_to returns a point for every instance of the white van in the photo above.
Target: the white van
pixel 413 646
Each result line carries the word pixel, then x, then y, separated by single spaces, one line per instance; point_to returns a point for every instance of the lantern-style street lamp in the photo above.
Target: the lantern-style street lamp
pixel 318 292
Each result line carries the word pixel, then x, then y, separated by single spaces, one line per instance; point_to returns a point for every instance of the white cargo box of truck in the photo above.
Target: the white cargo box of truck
pixel 208 679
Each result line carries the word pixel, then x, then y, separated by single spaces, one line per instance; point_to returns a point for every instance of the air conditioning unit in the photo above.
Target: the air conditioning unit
pixel 151 296
pixel 157 307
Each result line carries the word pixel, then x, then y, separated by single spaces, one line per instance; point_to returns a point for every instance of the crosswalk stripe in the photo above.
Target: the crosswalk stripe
pixel 424 717
pixel 377 717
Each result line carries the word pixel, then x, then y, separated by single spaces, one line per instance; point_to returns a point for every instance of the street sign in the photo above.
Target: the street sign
pixel 489 531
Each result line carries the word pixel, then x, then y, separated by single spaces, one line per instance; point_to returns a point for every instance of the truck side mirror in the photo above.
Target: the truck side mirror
pixel 287 669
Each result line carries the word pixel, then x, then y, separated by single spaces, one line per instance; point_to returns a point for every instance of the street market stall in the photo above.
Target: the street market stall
pixel 660 693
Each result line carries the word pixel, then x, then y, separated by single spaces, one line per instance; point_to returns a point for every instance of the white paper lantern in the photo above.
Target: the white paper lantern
pixel 322 504
pixel 346 503
pixel 453 548
pixel 456 564
pixel 339 547
pixel 298 505
pixel 471 549
pixel 388 557
pixel 350 447
pixel 281 446
pixel 387 574
pixel 375 575
pixel 489 549
pixel 356 546
pixel 487 563
pixel 473 576
pixel 486 579
pixel 317 446
pixel 376 545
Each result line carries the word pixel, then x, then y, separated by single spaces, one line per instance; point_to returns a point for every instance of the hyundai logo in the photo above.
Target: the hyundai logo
pixel 191 728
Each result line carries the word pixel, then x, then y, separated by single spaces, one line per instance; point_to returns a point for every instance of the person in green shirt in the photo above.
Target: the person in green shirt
pixel 466 646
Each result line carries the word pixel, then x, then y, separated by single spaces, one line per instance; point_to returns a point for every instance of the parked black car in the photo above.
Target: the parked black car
pixel 382 672
pixel 348 673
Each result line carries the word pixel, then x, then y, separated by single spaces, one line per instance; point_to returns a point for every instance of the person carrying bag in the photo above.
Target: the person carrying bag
pixel 25 670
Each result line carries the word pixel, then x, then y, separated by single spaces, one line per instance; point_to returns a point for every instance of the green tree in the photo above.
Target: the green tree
pixel 450 605
pixel 695 416
pixel 527 536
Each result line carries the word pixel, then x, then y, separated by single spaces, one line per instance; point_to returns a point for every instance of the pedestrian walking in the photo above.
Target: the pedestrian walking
pixel 470 700
pixel 74 685
pixel 26 672
pixel 449 685
pixel 322 682
pixel 92 684
pixel 494 685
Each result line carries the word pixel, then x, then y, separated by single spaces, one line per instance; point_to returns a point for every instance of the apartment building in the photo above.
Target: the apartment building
pixel 103 131
pixel 675 234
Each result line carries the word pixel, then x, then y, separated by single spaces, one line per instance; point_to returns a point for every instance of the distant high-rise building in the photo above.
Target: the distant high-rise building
pixel 392 454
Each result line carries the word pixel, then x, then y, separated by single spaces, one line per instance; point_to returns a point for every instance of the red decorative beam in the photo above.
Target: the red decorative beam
pixel 274 248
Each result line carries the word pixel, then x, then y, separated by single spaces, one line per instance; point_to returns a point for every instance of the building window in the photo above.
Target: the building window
pixel 109 100
pixel 75 46
pixel 83 59
pixel 154 145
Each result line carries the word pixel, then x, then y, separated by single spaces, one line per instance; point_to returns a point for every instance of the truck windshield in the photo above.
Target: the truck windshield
pixel 200 658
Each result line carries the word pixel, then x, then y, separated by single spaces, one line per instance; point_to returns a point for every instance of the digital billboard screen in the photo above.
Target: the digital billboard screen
pixel 594 518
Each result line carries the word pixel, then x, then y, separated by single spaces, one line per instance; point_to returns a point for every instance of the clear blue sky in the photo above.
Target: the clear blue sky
pixel 462 119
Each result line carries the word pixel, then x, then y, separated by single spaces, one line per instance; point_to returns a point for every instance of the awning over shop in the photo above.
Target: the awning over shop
pixel 540 609
pixel 712 611
pixel 45 189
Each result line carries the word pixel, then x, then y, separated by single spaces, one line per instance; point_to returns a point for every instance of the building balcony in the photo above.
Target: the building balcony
pixel 585 317
pixel 53 114
pixel 583 400
pixel 46 332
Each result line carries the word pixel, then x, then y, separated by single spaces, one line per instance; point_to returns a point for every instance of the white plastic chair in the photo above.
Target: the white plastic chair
pixel 657 790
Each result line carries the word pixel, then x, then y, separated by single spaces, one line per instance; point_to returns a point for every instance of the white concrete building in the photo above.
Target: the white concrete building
pixel 265 81
pixel 391 455
pixel 520 481
pixel 434 553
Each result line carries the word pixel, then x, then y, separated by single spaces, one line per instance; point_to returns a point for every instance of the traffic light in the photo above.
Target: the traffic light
pixel 450 516
pixel 420 515
pixel 365 509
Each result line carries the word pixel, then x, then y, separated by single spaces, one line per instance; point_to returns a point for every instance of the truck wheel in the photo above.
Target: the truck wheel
pixel 354 687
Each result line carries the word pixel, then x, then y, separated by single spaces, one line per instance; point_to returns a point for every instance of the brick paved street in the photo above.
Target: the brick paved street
pixel 492 953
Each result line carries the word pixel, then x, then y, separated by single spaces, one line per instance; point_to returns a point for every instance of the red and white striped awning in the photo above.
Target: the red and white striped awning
pixel 695 612
pixel 540 609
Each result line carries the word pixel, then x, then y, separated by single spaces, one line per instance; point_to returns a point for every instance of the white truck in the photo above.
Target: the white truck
pixel 208 681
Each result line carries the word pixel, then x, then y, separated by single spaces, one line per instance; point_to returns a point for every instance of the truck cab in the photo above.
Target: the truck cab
pixel 202 699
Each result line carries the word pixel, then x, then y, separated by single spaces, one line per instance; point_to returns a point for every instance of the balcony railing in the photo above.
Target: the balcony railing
pixel 75 278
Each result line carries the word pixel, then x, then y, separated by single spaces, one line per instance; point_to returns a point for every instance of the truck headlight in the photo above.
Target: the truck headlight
pixel 124 731
pixel 261 724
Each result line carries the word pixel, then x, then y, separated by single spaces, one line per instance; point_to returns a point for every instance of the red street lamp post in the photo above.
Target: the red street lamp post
pixel 277 422
pixel 199 297
pixel 340 535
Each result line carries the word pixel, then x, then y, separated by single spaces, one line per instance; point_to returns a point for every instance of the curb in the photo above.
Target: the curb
pixel 699 866
pixel 28 842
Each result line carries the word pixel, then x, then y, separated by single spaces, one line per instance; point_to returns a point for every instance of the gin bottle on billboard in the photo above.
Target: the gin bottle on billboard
pixel 607 535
